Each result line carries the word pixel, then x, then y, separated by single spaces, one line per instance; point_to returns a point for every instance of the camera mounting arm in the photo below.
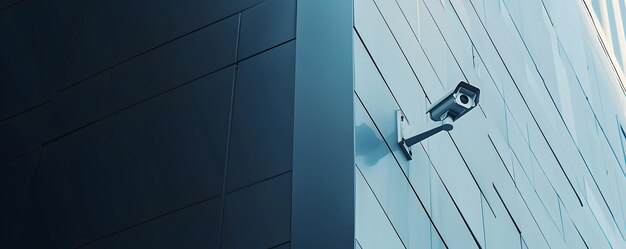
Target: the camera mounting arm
pixel 409 135
pixel 453 105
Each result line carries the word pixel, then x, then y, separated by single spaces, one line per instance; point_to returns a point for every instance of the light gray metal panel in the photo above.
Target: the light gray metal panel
pixel 548 136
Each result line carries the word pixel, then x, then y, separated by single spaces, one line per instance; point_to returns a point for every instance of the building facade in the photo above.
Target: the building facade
pixel 538 164
pixel 272 124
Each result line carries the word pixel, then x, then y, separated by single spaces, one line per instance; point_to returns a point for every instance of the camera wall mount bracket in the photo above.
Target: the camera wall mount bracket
pixel 409 135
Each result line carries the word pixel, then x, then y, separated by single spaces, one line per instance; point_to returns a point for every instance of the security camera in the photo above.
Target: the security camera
pixel 456 103
pixel 453 105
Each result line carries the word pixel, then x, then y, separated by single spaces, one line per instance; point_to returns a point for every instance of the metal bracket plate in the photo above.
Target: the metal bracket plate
pixel 401 122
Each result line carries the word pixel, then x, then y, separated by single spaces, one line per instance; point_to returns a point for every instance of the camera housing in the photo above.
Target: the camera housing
pixel 456 103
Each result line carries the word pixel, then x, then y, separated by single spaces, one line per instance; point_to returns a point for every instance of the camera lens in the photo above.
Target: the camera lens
pixel 464 99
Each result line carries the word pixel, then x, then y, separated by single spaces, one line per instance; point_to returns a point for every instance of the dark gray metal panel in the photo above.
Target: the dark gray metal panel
pixel 125 155
pixel 266 25
pixel 78 106
pixel 196 226
pixel 23 133
pixel 323 169
pixel 258 216
pixel 192 56
pixel 110 32
pixel 156 157
pixel 15 209
pixel 4 4
pixel 171 65
pixel 283 246
pixel 262 125
pixel 32 51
